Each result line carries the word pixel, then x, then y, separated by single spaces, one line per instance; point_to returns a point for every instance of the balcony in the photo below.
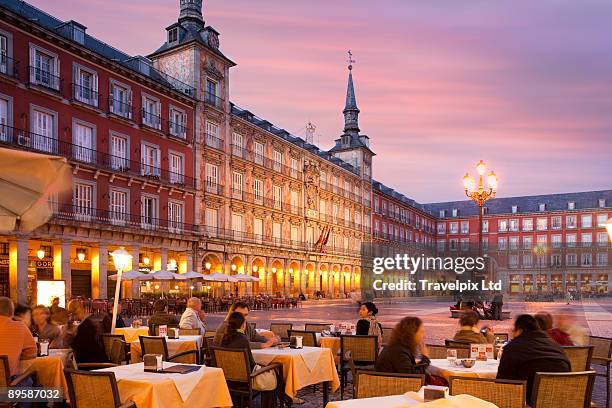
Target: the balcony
pixel 9 67
pixel 85 95
pixel 213 100
pixel 24 140
pixel 150 120
pixel 120 108
pixel 238 151
pixel 45 79
pixel 177 130
pixel 213 187
pixel 213 141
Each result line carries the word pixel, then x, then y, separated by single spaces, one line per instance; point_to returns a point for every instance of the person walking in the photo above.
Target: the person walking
pixel 497 305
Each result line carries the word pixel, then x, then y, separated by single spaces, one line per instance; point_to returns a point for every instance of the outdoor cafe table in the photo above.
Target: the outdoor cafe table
pixel 412 400
pixel 183 343
pixel 482 369
pixel 302 367
pixel 332 343
pixel 203 388
pixel 49 371
pixel 131 333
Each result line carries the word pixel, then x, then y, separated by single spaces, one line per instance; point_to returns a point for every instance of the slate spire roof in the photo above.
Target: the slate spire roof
pixel 351 111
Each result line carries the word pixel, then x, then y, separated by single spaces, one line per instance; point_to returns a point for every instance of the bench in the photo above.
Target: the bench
pixel 455 314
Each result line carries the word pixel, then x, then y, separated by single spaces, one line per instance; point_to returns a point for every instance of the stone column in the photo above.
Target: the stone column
pixel 99 272
pixel 61 265
pixel 534 276
pixel 133 285
pixel 18 269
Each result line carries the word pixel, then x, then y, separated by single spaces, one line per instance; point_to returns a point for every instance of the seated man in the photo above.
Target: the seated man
pixel 530 351
pixel 256 341
pixel 469 333
pixel 193 316
pixel 16 341
pixel 161 316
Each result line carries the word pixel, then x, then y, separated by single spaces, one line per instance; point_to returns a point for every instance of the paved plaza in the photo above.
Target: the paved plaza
pixel 594 315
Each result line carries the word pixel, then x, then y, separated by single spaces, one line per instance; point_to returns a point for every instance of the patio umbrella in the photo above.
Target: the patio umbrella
pixel 130 275
pixel 192 275
pixel 27 180
pixel 219 277
pixel 162 275
pixel 246 278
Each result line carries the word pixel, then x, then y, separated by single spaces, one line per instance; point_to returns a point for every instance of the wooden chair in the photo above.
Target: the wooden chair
pixel 503 393
pixel 189 332
pixel 108 340
pixel 94 389
pixel 5 375
pixel 370 384
pixel 357 351
pixel 158 345
pixel 317 327
pixel 386 335
pixel 236 368
pixel 456 344
pixel 501 336
pixel 436 351
pixel 253 325
pixel 553 390
pixel 281 330
pixel 309 338
pixel 579 357
pixel 602 356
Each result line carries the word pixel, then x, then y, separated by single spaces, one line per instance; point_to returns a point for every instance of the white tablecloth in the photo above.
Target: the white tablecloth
pixel 482 369
pixel 174 346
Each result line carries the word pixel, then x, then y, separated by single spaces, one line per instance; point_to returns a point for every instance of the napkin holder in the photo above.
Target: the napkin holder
pixel 173 333
pixel 153 363
pixel 295 342
pixel 434 392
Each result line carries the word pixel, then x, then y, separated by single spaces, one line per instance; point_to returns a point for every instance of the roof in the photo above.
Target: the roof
pixel 65 29
pixel 525 204
pixel 388 191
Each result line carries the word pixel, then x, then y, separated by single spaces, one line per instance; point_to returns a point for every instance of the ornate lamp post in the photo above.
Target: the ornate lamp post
pixel 121 258
pixel 540 250
pixel 480 194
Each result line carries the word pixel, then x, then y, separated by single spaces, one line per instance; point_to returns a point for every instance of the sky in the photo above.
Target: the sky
pixel 524 85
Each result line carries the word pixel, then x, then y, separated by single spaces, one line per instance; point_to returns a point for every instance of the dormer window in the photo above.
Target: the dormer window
pixel 455 212
pixel 78 34
pixel 602 203
pixel 542 207
pixel 442 213
pixel 173 35
pixel 571 205
pixel 346 140
pixel 485 210
pixel 514 209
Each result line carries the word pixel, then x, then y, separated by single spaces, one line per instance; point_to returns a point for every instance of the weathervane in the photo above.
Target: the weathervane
pixel 350 60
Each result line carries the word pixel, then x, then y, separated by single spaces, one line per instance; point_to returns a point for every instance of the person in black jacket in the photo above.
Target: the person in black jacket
pixel 234 338
pixel 531 351
pixel 399 356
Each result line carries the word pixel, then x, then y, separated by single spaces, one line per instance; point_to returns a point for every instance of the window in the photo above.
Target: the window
pixel 502 243
pixel 571 205
pixel 453 227
pixel 587 259
pixel 571 259
pixel 211 174
pixel 237 221
pixel 442 213
pixel 485 225
pixel 556 241
pixel 357 219
pixel 527 224
pixel 258 151
pixel 212 135
pixel 347 214
pixel 295 234
pixel 602 219
pixel 278 197
pixel 44 68
pixel 556 222
pixel 119 152
pixel 175 216
pixel 335 211
pixel 277 160
pixel 173 35
pixel 276 231
pixel 555 260
pixel 294 167
pixel 571 240
pixel 237 144
pixel 527 260
pixel 177 170
pixel 237 185
pixel 5 54
pixel 178 123
pixel 513 261
pixel 83 200
pixel 211 219
pixel 465 227
pixel 151 109
pixel 586 239
pixel 121 100
pixel 465 244
pixel 211 93
pixel 44 127
pixel 527 242
pixel 85 85
pixel 602 203
pixel 542 224
pixel 5 119
pixel 84 142
pixel 441 245
pixel 542 207
pixel 323 206
pixel 118 206
pixel 514 243
pixel 542 239
pixel 453 244
pixel 513 225
pixel 258 228
pixel 323 179
pixel 502 225
pixel 602 259
pixel 586 221
pixel 570 221
pixel 514 209
pixel 602 238
pixel 149 211
pixel 150 156
pixel 295 201
pixel 258 191
pixel 441 228
pixel 455 212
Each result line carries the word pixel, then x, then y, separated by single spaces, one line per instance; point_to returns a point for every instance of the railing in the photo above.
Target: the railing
pixel 150 119
pixel 45 79
pixel 213 100
pixel 9 66
pixel 212 187
pixel 120 108
pixel 177 129
pixel 85 95
pixel 213 141
pixel 238 151
pixel 34 142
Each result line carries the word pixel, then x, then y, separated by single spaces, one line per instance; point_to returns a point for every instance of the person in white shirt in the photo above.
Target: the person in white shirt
pixel 193 317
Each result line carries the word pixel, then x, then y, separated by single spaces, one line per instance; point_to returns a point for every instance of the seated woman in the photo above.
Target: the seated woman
pixel 368 324
pixel 400 355
pixel 469 333
pixel 43 328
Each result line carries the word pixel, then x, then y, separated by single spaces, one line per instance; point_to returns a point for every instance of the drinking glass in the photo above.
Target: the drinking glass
pixel 451 356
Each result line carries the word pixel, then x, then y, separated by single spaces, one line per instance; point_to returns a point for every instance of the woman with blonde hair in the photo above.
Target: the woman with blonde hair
pixel 43 328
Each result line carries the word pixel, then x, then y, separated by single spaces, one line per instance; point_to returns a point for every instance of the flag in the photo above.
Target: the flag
pixel 321 236
pixel 324 242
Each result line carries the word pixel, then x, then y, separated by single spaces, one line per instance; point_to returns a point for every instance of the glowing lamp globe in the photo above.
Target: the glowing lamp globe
pixel 121 258
pixel 608 225
pixel 481 167
pixel 40 253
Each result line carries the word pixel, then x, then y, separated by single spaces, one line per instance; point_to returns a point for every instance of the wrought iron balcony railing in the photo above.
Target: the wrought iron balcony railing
pixel 214 100
pixel 44 78
pixel 120 108
pixel 150 120
pixel 213 141
pixel 9 66
pixel 177 129
pixel 85 95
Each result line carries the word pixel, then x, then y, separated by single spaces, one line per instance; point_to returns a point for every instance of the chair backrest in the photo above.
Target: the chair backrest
pixel 5 372
pixel 455 344
pixel 602 350
pixel 501 336
pixel 563 389
pixel 579 357
pixel 233 362
pixel 154 345
pixel 92 389
pixel 281 329
pixel 317 327
pixel 370 384
pixel 386 335
pixel 503 393
pixel 154 328
pixel 364 349
pixel 108 339
pixel 309 338
pixel 189 332
pixel 117 353
pixel 253 325
pixel 436 351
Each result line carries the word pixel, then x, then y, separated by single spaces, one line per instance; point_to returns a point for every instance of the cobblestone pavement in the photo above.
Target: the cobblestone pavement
pixel 594 315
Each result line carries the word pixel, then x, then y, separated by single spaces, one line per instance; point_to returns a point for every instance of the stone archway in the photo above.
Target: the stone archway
pixel 308 274
pixel 293 278
pixel 258 270
pixel 276 276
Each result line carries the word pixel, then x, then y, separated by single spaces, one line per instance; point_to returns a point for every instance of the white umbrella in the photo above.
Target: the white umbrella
pixel 192 275
pixel 220 277
pixel 162 275
pixel 246 278
pixel 130 275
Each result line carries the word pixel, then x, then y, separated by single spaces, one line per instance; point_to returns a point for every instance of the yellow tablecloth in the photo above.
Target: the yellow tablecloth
pixel 332 343
pixel 296 371
pixel 406 401
pixel 184 343
pixel 203 388
pixel 482 369
pixel 131 333
pixel 49 371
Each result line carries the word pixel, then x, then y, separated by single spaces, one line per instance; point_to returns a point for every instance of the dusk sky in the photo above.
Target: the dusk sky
pixel 525 85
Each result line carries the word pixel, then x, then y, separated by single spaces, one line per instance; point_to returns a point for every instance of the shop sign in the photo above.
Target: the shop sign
pixel 44 264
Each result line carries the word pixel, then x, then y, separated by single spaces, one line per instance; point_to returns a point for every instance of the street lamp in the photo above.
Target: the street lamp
pixel 539 250
pixel 608 225
pixel 40 253
pixel 480 194
pixel 121 258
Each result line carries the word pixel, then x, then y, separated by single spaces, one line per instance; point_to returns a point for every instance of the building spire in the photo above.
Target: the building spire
pixel 351 111
pixel 191 9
